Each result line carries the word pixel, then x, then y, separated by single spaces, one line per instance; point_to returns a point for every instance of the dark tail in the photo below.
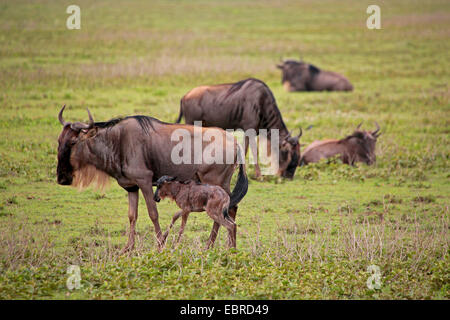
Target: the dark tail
pixel 241 187
pixel 180 116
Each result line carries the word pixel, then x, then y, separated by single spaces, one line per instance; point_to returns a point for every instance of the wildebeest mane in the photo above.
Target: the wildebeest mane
pixel 356 134
pixel 145 122
pixel 313 69
pixel 359 135
pixel 270 116
pixel 235 87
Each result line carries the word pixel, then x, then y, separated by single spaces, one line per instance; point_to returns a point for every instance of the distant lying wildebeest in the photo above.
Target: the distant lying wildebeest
pixel 247 104
pixel 301 76
pixel 357 147
pixel 136 151
pixel 191 196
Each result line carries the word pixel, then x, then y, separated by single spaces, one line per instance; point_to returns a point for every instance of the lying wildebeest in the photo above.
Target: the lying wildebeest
pixel 136 151
pixel 301 76
pixel 247 104
pixel 191 196
pixel 357 147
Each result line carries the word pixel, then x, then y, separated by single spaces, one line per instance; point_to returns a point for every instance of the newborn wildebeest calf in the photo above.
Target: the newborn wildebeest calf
pixel 191 196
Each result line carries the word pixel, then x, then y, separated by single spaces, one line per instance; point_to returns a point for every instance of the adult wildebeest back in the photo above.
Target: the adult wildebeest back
pixel 136 151
pixel 357 147
pixel 301 76
pixel 247 104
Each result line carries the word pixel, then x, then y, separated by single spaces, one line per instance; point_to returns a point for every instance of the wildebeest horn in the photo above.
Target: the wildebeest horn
pixel 91 119
pixel 359 126
pixel 280 66
pixel 378 128
pixel 80 126
pixel 60 117
pixel 293 140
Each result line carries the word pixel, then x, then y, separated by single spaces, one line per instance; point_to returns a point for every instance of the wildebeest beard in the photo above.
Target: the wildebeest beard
pixel 65 169
pixel 290 170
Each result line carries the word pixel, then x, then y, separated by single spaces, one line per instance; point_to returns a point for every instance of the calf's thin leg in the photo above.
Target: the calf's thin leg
pixel 174 218
pixel 213 235
pixel 184 218
pixel 232 231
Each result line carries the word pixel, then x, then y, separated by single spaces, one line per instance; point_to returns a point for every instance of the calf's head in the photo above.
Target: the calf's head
pixel 69 137
pixel 296 74
pixel 289 156
pixel 162 188
pixel 362 144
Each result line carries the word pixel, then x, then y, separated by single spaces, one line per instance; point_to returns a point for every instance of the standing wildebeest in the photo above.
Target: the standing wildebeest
pixel 301 76
pixel 247 104
pixel 357 147
pixel 136 151
pixel 191 196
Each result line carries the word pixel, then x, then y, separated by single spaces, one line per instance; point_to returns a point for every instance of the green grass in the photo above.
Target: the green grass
pixel 310 238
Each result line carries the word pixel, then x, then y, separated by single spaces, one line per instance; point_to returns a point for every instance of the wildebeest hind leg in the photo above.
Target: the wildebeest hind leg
pixel 232 213
pixel 175 218
pixel 213 235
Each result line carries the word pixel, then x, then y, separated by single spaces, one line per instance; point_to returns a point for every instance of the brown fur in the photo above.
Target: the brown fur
pixel 248 105
pixel 287 86
pixel 358 147
pixel 301 76
pixel 196 92
pixel 195 197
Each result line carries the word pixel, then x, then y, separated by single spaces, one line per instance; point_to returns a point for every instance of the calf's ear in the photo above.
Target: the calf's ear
pixel 279 66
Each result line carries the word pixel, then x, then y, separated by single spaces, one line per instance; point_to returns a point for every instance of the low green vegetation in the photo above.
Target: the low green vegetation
pixel 310 238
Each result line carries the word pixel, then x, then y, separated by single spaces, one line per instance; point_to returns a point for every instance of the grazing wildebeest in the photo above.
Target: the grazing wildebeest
pixel 136 151
pixel 301 76
pixel 247 104
pixel 357 147
pixel 191 196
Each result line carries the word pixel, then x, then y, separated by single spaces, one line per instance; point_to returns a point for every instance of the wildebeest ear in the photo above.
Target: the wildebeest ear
pixel 313 69
pixel 279 66
pixel 161 180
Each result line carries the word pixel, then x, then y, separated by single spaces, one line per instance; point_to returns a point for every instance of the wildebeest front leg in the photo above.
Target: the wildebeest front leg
pixel 254 151
pixel 184 218
pixel 175 218
pixel 147 191
pixel 133 199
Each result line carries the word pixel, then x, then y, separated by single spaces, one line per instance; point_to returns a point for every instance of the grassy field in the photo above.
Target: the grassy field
pixel 310 238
